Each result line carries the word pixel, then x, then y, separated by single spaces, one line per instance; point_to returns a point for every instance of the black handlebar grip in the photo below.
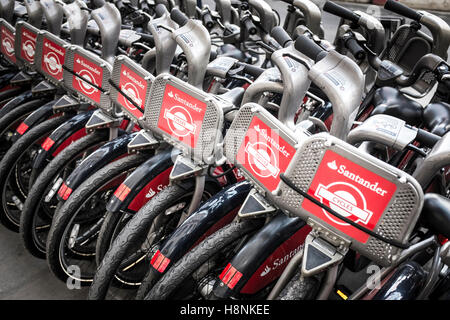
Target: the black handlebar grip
pixel 281 36
pixel 340 11
pixel 97 4
pixel 288 1
pixel 355 49
pixel 309 48
pixel 403 10
pixel 251 69
pixel 160 10
pixel 208 20
pixel 427 138
pixel 249 25
pixel 179 17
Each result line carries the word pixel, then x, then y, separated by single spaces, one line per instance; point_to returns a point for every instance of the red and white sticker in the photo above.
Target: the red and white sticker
pixel 89 71
pixel 28 48
pixel 7 46
pixel 352 191
pixel 135 87
pixel 181 115
pixel 264 153
pixel 53 59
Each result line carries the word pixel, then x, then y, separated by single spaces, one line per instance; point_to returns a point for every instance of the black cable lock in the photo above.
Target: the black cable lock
pixel 83 79
pixel 125 95
pixel 394 243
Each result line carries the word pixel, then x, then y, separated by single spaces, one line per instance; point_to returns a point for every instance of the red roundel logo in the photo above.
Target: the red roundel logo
pixel 28 45
pixel 264 154
pixel 135 87
pixel 53 59
pixel 262 159
pixel 347 200
pixel 92 73
pixel 180 121
pixel 181 115
pixel 7 46
pixel 352 191
pixel 131 91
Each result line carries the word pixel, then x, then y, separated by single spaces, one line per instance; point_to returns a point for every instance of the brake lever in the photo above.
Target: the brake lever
pixel 265 46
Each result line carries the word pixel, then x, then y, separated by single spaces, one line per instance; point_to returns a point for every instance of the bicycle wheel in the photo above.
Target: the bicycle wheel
pixel 10 120
pixel 15 168
pixel 38 209
pixel 74 229
pixel 186 278
pixel 135 238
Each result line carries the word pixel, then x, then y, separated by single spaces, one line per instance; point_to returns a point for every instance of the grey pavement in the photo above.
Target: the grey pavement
pixel 23 276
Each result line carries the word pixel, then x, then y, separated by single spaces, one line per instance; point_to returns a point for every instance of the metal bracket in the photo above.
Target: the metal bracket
pixel 142 141
pixel 100 120
pixel 184 168
pixel 22 78
pixel 43 88
pixel 4 70
pixel 255 205
pixel 66 103
pixel 319 255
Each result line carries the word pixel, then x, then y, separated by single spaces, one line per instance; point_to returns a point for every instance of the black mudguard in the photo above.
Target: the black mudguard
pixel 404 284
pixel 43 113
pixel 214 214
pixel 263 258
pixel 143 183
pixel 24 97
pixel 6 78
pixel 107 153
pixel 70 130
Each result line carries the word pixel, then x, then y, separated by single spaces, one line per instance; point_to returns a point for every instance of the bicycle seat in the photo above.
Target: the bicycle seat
pixel 436 118
pixel 436 213
pixel 390 101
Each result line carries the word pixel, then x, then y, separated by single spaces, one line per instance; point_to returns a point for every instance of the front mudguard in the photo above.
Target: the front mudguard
pixel 143 183
pixel 6 78
pixel 24 97
pixel 404 284
pixel 107 153
pixel 69 131
pixel 214 214
pixel 43 113
pixel 263 258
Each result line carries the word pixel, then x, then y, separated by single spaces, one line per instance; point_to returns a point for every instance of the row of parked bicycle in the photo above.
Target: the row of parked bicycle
pixel 178 150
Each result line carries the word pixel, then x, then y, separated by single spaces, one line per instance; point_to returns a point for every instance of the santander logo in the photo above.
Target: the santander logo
pixel 373 186
pixel 278 262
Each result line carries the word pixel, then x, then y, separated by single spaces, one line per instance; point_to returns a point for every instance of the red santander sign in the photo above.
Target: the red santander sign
pixel 28 48
pixel 53 59
pixel 181 115
pixel 264 153
pixel 135 87
pixel 7 45
pixel 93 74
pixel 352 191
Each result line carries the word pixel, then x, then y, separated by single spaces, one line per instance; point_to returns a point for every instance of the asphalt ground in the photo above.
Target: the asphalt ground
pixel 23 276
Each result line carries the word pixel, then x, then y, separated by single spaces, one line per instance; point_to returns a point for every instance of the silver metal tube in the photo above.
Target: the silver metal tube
pixel 198 192
pixel 432 276
pixel 287 275
pixel 328 284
